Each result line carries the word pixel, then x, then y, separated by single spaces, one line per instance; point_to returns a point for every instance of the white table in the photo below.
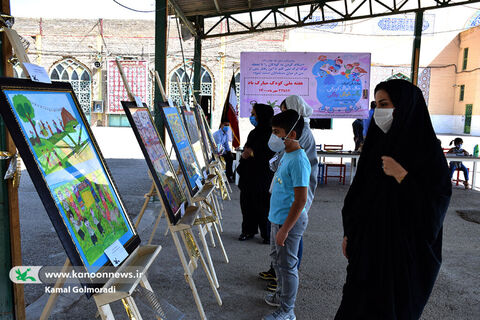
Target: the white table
pixel 342 154
pixel 453 157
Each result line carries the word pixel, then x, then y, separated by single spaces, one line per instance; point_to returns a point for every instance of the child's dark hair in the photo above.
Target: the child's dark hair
pixel 286 120
pixel 456 141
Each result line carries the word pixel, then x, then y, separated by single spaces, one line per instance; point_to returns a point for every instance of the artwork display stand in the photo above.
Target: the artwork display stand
pixel 183 227
pixel 206 199
pixel 142 257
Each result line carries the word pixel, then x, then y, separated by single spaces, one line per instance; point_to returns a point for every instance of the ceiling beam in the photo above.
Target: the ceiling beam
pixel 182 17
pixel 217 6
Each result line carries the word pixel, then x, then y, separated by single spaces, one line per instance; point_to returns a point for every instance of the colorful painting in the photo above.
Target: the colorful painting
pixel 193 132
pixel 335 85
pixel 183 149
pixel 66 167
pixel 191 124
pixel 160 166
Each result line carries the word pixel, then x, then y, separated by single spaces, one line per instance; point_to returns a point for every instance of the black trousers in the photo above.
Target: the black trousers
pixel 228 157
pixel 255 207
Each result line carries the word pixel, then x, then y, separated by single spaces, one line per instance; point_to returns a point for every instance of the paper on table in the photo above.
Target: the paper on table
pixel 116 253
pixel 37 73
pixel 188 106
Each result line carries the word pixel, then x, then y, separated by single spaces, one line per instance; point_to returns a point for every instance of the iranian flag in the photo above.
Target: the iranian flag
pixel 230 113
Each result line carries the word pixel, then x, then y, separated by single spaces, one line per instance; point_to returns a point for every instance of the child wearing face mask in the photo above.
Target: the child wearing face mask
pixel 287 215
pixel 454 165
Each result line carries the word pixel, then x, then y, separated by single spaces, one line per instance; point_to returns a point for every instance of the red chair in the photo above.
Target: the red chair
pixel 341 166
pixel 458 180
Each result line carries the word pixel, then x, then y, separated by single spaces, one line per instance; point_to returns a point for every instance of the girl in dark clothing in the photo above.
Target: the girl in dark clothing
pixel 394 211
pixel 255 175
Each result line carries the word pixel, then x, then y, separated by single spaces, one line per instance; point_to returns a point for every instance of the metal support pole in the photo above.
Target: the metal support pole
pixel 416 46
pixel 197 59
pixel 160 59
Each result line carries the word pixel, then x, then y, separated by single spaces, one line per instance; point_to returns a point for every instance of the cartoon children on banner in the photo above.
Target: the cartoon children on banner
pixel 336 90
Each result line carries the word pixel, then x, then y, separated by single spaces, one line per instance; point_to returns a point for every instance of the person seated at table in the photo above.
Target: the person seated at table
pixel 222 138
pixel 458 165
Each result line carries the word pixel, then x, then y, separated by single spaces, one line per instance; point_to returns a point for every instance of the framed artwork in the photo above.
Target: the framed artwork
pixel 67 169
pixel 207 147
pixel 183 149
pixel 194 133
pixel 208 130
pixel 157 159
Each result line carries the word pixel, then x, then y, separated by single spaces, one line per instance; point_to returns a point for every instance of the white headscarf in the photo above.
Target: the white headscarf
pixel 297 103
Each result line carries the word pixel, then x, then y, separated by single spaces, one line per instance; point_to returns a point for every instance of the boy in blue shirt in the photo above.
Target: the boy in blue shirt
pixel 287 211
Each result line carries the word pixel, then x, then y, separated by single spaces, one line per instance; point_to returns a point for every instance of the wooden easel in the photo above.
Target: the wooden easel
pixel 206 222
pixel 212 179
pixel 184 228
pixel 141 258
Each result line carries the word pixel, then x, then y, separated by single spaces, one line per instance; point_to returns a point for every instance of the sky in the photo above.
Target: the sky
pixel 87 9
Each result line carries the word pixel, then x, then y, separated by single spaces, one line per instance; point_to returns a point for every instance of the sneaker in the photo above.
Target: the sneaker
pixel 272 299
pixel 280 315
pixel 268 275
pixel 467 186
pixel 272 286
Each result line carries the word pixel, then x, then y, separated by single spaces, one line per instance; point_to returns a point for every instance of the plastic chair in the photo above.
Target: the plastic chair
pixel 341 166
pixel 458 180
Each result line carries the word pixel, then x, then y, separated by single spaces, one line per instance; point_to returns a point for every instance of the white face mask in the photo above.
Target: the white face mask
pixel 277 144
pixel 383 118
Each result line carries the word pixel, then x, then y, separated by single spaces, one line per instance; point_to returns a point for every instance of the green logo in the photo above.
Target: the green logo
pixel 24 276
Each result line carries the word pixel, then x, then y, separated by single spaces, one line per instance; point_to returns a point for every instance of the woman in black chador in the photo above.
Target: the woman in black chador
pixel 256 176
pixel 393 213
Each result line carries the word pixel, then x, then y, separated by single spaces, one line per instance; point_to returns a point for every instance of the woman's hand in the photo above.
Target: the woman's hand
pixel 393 169
pixel 344 246
pixel 247 152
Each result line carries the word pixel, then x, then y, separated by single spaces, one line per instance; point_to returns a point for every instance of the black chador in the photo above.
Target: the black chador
pixel 394 230
pixel 256 176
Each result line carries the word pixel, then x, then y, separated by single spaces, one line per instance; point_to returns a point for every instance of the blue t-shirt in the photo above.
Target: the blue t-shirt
pixel 294 171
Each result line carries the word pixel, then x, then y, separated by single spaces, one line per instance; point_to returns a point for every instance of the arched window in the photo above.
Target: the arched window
pixel 79 77
pixel 186 78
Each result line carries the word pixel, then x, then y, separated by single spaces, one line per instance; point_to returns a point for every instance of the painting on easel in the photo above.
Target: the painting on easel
pixel 193 132
pixel 207 147
pixel 183 149
pixel 208 131
pixel 67 169
pixel 157 159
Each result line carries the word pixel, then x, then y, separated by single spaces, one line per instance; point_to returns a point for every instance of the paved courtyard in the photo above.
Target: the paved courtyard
pixel 455 296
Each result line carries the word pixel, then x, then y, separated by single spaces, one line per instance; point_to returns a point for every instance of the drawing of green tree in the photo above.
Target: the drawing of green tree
pixel 26 112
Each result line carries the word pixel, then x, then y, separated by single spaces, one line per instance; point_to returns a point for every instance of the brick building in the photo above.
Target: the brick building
pixel 78 51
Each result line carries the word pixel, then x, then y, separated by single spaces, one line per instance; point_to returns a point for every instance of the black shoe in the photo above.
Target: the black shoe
pixel 244 237
pixel 266 241
pixel 268 275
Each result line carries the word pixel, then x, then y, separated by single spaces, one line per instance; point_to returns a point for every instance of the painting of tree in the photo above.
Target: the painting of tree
pixel 26 113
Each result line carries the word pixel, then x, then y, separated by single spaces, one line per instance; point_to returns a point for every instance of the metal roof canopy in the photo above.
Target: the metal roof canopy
pixel 291 13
